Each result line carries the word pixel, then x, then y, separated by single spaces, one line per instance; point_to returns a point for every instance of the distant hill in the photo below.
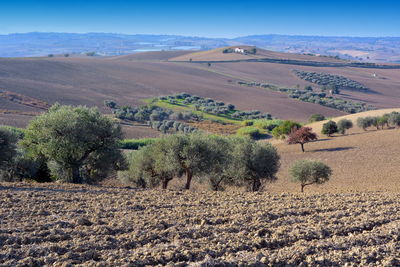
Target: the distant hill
pixel 368 49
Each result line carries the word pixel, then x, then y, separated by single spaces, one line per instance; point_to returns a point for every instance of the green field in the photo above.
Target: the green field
pixel 179 106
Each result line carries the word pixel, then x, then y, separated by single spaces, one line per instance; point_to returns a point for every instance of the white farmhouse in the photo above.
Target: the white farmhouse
pixel 239 50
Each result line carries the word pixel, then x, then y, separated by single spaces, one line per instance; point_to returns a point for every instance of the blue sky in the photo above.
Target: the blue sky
pixel 204 18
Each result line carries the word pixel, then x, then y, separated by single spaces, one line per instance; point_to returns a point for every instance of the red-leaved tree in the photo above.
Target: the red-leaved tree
pixel 301 136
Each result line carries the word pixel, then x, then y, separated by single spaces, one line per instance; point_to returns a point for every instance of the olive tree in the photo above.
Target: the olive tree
pixel 363 123
pixel 254 163
pixel 8 149
pixel 343 125
pixel 394 119
pixel 309 172
pixel 79 143
pixel 221 171
pixel 189 154
pixel 147 167
pixel 329 128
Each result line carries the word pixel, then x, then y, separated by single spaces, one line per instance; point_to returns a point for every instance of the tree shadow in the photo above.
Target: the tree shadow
pixel 334 149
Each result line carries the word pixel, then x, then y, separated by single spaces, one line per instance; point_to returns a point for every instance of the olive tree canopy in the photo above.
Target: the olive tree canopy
pixel 79 143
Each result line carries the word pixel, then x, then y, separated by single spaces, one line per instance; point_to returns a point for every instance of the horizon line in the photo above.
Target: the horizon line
pixel 198 36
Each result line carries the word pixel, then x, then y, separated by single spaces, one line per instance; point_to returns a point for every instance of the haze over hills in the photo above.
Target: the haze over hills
pixel 368 49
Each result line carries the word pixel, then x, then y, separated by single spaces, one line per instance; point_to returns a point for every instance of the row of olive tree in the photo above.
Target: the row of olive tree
pixel 220 161
pixel 379 122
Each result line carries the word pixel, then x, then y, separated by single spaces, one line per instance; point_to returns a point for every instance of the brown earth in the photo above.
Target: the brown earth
pixel 217 55
pixel 361 160
pixel 130 79
pixel 63 225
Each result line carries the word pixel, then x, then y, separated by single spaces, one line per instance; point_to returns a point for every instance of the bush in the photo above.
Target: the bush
pixel 301 136
pixel 110 103
pixel 329 128
pixel 268 125
pixel 343 125
pixel 285 128
pixel 248 123
pixel 135 144
pixel 251 132
pixel 81 144
pixel 18 132
pixel 316 117
pixel 309 172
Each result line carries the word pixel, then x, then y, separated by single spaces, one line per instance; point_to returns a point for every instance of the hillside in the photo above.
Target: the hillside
pixel 219 55
pixel 131 79
pixel 365 49
pixel 360 160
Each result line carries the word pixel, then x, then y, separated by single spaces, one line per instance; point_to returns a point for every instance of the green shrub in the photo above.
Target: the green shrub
pixel 19 132
pixel 248 123
pixel 316 117
pixel 252 132
pixel 268 125
pixel 135 144
pixel 285 128
pixel 329 128
pixel 309 172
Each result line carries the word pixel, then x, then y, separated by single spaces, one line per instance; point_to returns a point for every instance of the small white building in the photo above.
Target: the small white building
pixel 239 50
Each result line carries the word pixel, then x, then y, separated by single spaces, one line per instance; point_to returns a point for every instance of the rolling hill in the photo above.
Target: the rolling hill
pixel 131 79
pixel 360 160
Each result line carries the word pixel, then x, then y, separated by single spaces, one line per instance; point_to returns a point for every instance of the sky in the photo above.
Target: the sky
pixel 205 18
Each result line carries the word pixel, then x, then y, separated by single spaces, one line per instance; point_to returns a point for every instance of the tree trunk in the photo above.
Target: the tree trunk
pixel 165 183
pixel 302 147
pixel 76 175
pixel 302 187
pixel 189 176
pixel 256 185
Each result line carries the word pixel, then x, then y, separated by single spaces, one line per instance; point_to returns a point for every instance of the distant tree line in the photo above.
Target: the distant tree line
pixel 326 79
pixel 158 118
pixel 212 106
pixel 320 98
pixel 379 122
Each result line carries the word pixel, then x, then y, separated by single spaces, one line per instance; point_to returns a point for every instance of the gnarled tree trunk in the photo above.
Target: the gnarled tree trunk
pixel 76 175
pixel 189 176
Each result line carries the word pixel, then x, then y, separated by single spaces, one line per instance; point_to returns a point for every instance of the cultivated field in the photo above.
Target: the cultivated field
pixel 63 225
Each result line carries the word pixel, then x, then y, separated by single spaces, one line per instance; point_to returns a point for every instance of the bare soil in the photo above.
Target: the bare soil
pixel 63 225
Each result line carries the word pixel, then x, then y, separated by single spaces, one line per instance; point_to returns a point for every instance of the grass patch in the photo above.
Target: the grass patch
pixel 135 144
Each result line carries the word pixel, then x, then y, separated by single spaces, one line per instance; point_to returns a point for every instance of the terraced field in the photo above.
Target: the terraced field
pixel 65 225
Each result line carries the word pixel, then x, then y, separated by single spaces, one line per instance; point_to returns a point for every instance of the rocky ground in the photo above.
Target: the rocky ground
pixel 63 225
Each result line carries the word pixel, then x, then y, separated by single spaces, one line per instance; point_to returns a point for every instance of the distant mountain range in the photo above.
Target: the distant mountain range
pixel 373 49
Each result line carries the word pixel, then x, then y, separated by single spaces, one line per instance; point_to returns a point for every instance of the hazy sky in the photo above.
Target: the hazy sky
pixel 204 18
